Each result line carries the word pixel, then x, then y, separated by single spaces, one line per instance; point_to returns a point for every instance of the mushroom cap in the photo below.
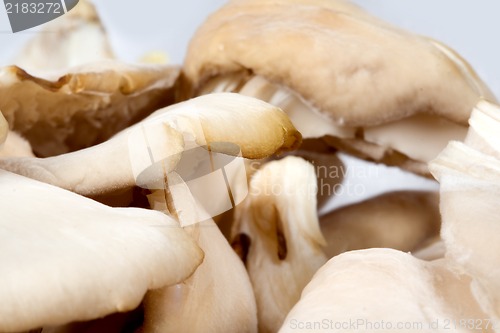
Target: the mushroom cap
pixel 66 258
pixel 362 85
pixel 84 106
pixel 356 69
pixel 379 289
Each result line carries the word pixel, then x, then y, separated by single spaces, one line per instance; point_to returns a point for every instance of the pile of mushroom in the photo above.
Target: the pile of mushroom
pixel 158 198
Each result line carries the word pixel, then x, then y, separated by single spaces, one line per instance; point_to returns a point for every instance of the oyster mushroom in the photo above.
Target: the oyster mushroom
pixel 67 92
pixel 15 146
pixel 469 174
pixel 83 107
pixel 367 87
pixel 257 128
pixel 277 234
pixel 64 257
pixel 385 290
pixel 218 297
pixel 74 39
pixel 460 292
pixel 402 220
pixel 11 143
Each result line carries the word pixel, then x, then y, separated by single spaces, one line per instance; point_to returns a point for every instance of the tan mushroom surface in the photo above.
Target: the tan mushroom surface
pixel 258 128
pixel 402 220
pixel 67 92
pixel 11 143
pixel 15 146
pixel 65 258
pixel 371 89
pixel 74 39
pixel 218 297
pixel 368 286
pixel 277 233
pixel 84 106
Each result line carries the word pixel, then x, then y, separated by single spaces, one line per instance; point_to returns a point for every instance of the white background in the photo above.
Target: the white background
pixel 136 27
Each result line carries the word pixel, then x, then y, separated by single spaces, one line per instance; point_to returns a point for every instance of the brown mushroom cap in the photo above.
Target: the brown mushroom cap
pixel 84 107
pixel 66 258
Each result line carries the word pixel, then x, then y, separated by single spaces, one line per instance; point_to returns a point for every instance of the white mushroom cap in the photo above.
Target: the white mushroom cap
pixel 65 258
pixel 383 290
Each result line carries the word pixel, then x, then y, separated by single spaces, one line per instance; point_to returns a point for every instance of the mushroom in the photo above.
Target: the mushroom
pixel 66 258
pixel 277 234
pixel 11 143
pixel 386 290
pixel 83 107
pixel 383 289
pixel 218 297
pixel 15 146
pixel 67 92
pixel 329 168
pixel 402 220
pixel 143 154
pixel 366 87
pixel 469 174
pixel 75 39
